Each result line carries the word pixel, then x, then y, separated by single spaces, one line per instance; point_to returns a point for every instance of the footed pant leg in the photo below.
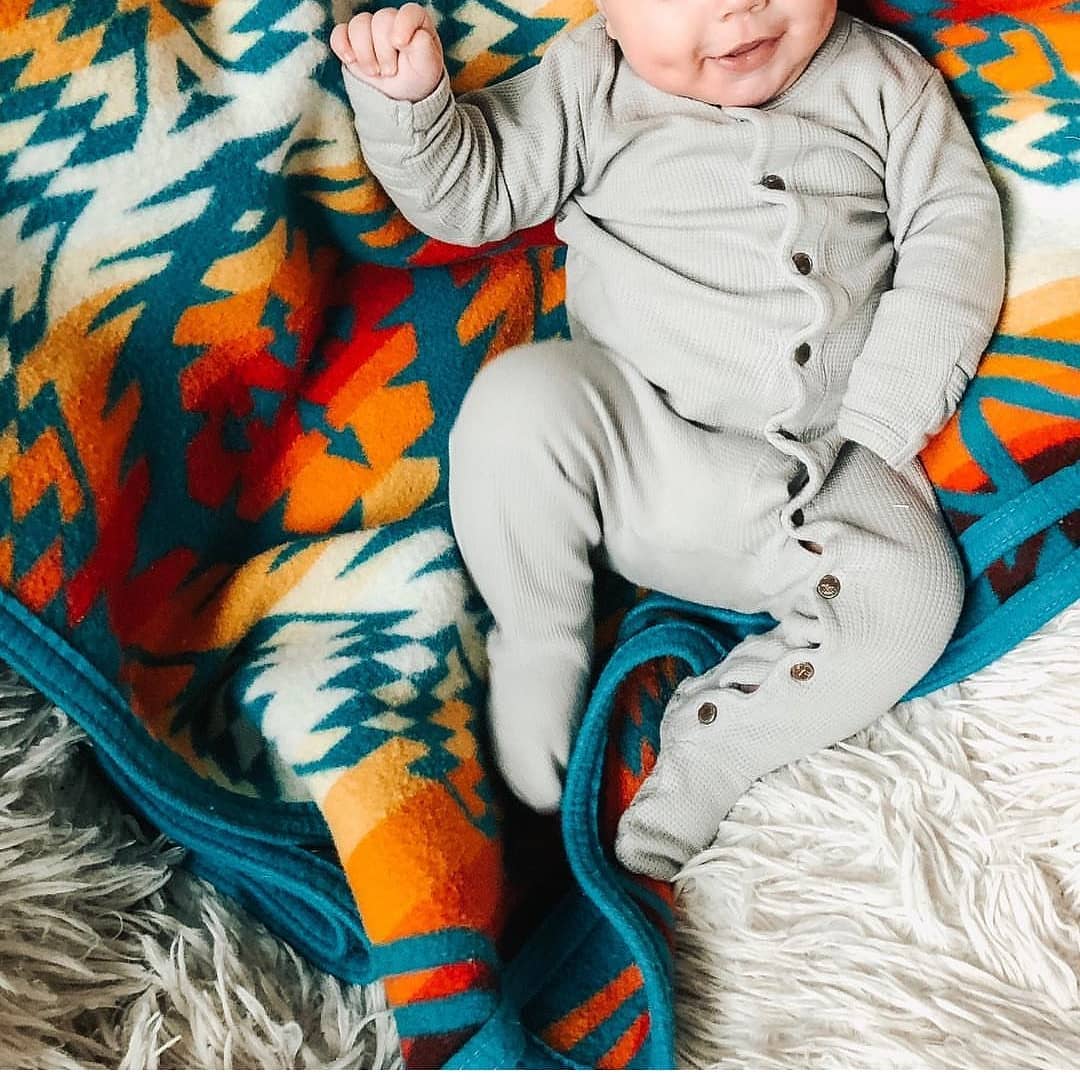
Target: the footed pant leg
pixel 533 455
pixel 523 505
pixel 859 624
pixel 563 455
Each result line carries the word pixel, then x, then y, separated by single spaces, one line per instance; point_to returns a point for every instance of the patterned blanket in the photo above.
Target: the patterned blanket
pixel 227 372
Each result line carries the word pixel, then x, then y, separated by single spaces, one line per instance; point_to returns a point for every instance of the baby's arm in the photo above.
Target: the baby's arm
pixel 931 328
pixel 478 169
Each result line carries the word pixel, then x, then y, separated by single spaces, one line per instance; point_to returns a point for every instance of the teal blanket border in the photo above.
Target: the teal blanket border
pixel 301 894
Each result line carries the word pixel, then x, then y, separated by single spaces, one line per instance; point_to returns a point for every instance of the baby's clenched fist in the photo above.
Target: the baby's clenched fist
pixel 396 50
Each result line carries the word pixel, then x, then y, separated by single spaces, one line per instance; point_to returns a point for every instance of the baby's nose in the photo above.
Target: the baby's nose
pixel 726 8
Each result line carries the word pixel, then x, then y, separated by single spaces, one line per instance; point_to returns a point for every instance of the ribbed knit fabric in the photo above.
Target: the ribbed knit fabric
pixel 747 289
pixel 680 260
pixel 565 454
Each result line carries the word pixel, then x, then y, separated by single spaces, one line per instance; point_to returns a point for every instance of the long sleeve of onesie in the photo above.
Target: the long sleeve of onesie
pixel 478 168
pixel 931 327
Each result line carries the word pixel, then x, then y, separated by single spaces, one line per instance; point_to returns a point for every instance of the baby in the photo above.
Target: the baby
pixel 784 260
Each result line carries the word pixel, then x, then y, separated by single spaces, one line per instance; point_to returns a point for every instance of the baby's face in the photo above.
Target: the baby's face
pixel 725 52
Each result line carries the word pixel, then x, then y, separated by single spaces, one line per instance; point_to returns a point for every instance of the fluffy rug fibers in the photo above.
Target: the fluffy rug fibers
pixel 911 898
pixel 110 955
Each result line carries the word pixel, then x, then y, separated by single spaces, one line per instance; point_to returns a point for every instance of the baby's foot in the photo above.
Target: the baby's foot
pixel 535 698
pixel 678 810
pixel 534 769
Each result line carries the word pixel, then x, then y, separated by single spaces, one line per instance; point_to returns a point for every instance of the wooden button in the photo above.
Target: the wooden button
pixel 803 263
pixel 707 713
pixel 828 587
pixel 802 671
pixel 773 182
pixel 802 354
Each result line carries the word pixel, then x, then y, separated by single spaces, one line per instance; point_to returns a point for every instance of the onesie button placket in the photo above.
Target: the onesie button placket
pixel 798 248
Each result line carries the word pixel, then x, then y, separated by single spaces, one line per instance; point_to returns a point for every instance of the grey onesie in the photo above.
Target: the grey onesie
pixel 772 309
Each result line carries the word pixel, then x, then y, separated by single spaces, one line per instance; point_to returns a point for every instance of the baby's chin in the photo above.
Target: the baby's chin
pixel 747 92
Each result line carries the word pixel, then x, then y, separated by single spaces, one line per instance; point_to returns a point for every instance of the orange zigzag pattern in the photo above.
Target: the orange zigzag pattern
pixel 1049 311
pixel 100 436
pixel 283 460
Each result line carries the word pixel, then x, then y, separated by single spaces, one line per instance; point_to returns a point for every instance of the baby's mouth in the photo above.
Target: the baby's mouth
pixel 743 49
pixel 748 54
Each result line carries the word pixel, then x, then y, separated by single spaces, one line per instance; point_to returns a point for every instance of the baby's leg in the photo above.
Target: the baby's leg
pixel 866 618
pixel 533 455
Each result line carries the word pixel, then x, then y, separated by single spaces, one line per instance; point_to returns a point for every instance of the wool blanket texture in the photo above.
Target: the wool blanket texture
pixel 227 372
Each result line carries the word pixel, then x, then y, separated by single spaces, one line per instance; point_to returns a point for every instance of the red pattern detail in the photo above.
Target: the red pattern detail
pixel 143 596
pixel 219 384
pixel 441 982
pixel 372 292
pixel 433 1051
pixel 886 14
pixel 962 11
pixel 439 253
pixel 114 553
pixel 1008 580
pixel 956 11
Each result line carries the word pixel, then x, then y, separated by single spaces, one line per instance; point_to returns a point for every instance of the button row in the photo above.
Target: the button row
pixel 829 586
pixel 803 263
pixel 803 671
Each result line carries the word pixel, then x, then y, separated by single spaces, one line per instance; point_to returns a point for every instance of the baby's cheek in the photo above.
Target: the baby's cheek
pixel 677 75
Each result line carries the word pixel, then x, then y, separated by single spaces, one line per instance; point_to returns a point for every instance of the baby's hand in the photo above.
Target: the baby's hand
pixel 396 50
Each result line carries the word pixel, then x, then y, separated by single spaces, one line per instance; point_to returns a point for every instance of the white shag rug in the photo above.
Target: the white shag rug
pixel 111 956
pixel 909 899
